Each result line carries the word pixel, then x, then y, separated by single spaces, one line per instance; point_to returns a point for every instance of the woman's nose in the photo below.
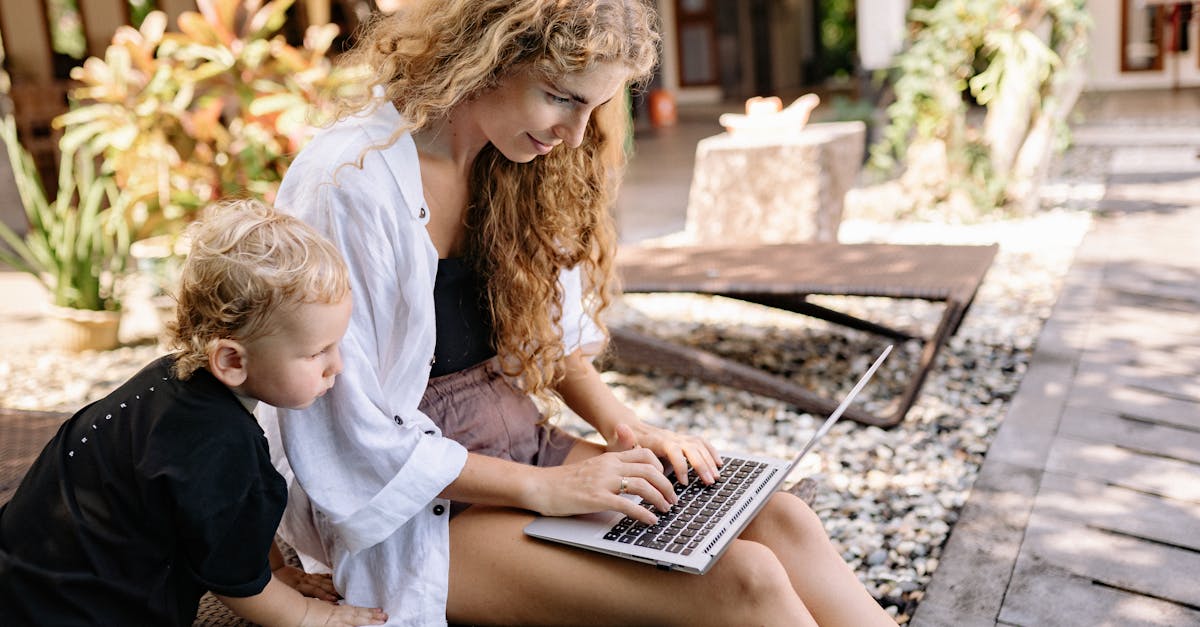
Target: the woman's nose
pixel 571 131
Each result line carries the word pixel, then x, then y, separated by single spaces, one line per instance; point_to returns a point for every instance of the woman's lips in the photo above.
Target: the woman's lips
pixel 540 147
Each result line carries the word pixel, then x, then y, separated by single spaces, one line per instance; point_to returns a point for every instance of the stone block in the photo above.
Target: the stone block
pixel 774 188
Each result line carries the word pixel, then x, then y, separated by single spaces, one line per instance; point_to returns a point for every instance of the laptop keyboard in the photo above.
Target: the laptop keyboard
pixel 684 527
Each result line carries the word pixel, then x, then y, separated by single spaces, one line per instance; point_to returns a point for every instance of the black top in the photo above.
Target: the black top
pixel 141 502
pixel 464 326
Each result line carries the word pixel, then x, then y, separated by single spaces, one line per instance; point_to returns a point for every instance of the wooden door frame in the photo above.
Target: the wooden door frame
pixel 708 17
pixel 1157 65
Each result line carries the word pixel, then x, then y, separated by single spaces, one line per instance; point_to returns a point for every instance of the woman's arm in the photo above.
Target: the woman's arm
pixel 279 604
pixel 592 485
pixel 588 395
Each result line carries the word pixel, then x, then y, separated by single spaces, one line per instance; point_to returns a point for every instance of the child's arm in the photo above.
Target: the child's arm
pixel 280 605
pixel 308 584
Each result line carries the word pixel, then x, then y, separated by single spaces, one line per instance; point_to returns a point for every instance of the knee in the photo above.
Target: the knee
pixel 752 576
pixel 786 516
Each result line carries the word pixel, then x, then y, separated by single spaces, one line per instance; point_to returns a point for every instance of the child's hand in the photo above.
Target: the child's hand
pixel 321 614
pixel 319 586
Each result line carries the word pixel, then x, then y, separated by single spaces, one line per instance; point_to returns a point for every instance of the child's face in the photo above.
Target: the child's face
pixel 297 363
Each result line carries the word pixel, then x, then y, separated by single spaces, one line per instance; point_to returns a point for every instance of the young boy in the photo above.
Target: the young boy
pixel 164 489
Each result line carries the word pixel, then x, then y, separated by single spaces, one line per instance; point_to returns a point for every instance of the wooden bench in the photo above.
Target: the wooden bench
pixel 783 276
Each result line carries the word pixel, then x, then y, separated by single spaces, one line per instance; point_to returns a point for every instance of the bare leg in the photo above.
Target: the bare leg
pixel 500 576
pixel 829 588
pixel 795 535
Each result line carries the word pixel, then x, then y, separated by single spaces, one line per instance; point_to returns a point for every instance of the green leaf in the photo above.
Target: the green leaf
pixel 269 19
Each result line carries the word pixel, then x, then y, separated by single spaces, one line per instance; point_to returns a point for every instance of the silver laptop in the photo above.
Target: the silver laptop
pixel 706 519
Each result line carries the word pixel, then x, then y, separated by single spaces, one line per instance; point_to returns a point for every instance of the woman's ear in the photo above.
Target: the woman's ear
pixel 227 362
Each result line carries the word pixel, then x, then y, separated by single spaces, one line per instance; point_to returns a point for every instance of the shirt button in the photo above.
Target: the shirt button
pixel 438 510
pixel 432 360
pixel 421 213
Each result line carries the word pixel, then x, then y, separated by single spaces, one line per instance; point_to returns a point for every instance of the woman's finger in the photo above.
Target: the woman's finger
pixel 702 462
pixel 678 462
pixel 649 493
pixel 631 509
pixel 712 451
pixel 641 456
pixel 625 439
pixel 655 491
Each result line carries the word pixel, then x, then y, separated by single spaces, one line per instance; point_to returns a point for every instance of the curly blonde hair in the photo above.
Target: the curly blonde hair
pixel 247 262
pixel 526 221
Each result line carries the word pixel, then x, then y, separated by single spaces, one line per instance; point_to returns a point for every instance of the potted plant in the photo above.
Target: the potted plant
pixel 77 244
pixel 184 118
pixel 217 108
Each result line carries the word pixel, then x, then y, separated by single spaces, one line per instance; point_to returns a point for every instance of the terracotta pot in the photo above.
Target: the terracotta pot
pixel 662 108
pixel 78 330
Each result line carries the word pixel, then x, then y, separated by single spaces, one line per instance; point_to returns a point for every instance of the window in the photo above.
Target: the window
pixel 1141 36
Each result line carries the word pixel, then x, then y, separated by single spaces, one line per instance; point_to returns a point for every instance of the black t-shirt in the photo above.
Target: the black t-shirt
pixel 141 502
pixel 464 326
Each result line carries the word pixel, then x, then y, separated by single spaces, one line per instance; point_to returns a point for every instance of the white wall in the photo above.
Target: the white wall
pixel 1104 58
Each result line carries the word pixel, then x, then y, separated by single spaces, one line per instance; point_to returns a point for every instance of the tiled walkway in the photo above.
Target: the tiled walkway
pixel 1087 508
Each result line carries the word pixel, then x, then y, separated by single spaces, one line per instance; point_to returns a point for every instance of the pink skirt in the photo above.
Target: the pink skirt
pixel 479 409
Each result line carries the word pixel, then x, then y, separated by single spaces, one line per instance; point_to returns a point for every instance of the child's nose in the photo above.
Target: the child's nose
pixel 335 365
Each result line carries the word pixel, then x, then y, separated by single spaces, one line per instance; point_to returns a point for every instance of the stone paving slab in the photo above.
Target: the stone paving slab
pixel 1118 509
pixel 1042 594
pixel 1179 385
pixel 1123 562
pixel 1120 466
pixel 1141 404
pixel 1119 135
pixel 1137 434
pixel 1176 358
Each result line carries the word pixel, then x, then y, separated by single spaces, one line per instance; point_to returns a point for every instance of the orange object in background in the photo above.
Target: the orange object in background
pixel 662 108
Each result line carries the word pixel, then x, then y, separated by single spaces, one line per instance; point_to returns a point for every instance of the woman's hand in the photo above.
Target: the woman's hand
pixel 678 449
pixel 319 586
pixel 598 483
pixel 319 613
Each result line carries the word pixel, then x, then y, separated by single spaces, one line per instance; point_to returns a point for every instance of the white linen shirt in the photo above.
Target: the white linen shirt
pixel 368 465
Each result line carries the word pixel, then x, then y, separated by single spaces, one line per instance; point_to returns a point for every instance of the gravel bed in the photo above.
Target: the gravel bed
pixel 889 498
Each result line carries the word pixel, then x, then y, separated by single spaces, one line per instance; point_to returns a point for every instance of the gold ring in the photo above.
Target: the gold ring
pixel 624 485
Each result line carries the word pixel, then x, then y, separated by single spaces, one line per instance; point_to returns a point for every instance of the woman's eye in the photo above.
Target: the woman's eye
pixel 558 99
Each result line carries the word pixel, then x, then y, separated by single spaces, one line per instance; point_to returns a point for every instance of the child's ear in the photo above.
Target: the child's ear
pixel 227 362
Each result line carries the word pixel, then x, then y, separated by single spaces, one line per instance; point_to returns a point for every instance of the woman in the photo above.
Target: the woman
pixel 470 195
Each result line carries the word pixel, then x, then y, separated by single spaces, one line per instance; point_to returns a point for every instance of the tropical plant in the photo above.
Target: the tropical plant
pixel 217 109
pixel 77 243
pixel 1020 60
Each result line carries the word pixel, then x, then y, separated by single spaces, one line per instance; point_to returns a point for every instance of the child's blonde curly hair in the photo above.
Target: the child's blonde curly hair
pixel 247 262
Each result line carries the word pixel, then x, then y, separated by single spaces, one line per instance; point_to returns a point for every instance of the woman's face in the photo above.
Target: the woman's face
pixel 526 116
